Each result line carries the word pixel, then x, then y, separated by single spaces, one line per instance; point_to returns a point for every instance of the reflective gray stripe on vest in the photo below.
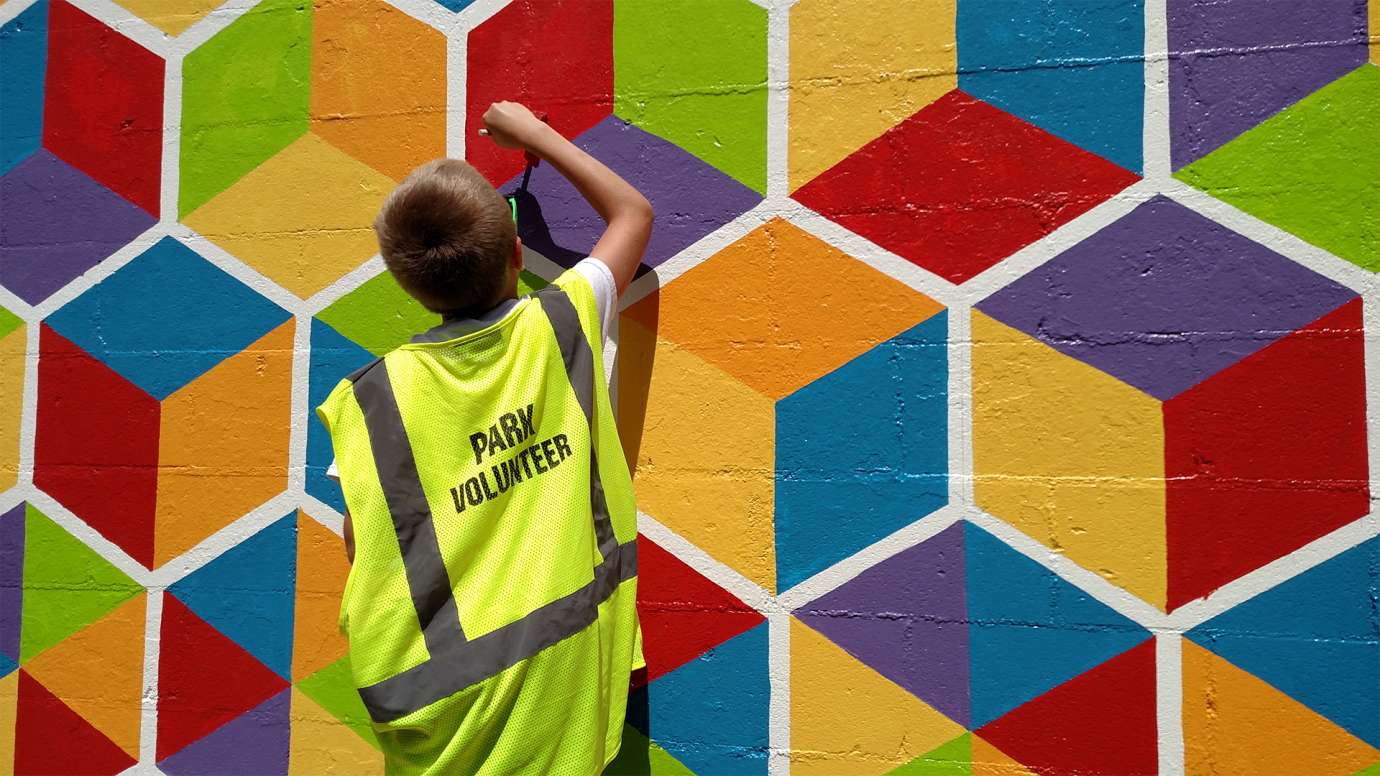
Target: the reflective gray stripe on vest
pixel 427 580
pixel 456 662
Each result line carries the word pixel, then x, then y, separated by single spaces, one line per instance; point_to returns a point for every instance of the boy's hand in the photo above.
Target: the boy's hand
pixel 510 124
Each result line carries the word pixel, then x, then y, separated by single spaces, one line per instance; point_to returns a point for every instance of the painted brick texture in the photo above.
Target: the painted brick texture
pixel 999 384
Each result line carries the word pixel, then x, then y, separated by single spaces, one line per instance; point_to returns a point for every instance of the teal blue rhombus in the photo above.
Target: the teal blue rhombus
pixel 248 593
pixel 1030 631
pixel 1315 637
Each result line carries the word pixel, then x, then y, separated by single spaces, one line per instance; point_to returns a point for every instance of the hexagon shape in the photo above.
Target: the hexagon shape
pixel 639 102
pixel 1309 169
pixel 1235 63
pixel 71 651
pixel 81 145
pixel 160 424
pixel 962 643
pixel 13 345
pixel 957 179
pixel 273 116
pixel 1209 421
pixel 349 333
pixel 724 401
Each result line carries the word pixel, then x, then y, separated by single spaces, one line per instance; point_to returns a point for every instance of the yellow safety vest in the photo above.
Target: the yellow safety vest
pixel 490 609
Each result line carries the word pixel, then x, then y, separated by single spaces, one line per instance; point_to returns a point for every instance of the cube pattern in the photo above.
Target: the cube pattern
pixel 995 386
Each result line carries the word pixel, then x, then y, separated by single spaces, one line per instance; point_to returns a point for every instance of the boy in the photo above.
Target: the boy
pixel 490 520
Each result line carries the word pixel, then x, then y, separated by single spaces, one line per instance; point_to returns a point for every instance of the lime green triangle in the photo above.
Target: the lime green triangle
pixel 334 689
pixel 378 315
pixel 9 322
pixel 66 585
pixel 1373 770
pixel 951 759
pixel 638 755
pixel 529 282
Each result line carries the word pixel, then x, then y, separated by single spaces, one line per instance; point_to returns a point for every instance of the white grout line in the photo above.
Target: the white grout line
pixel 1169 694
pixel 709 567
pixel 28 413
pixel 234 267
pixel 1156 139
pixel 300 398
pixel 779 676
pixel 211 547
pixel 696 253
pixel 323 513
pixel 457 56
pixel 104 269
pixel 845 570
pixel 211 25
pixel 428 12
pixel 171 183
pixel 127 24
pixel 71 523
pixel 778 101
pixel 10 10
pixel 343 285
pixel 476 14
pixel 1269 235
pixel 960 417
pixel 148 728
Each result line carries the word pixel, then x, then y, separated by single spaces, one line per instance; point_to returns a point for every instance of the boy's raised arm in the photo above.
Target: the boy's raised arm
pixel 627 213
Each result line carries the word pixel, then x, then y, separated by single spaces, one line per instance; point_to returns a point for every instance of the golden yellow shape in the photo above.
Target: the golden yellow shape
pixel 171 16
pixel 780 308
pixel 1375 31
pixel 860 68
pixel 847 718
pixel 99 672
pixel 9 701
pixel 223 444
pixel 11 403
pixel 303 218
pixel 321 573
pixel 378 88
pixel 1237 723
pixel 321 745
pixel 704 463
pixel 1071 456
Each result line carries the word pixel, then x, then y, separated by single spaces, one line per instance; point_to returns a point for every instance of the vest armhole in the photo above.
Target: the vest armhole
pixel 358 373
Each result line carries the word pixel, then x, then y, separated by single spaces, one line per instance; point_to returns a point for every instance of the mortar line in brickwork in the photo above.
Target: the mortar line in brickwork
pixel 301 414
pixel 1295 248
pixel 778 101
pixel 234 267
pixel 779 702
pixel 1090 582
pixel 457 52
pixel 1169 704
pixel 1103 214
pixel 148 701
pixel 1155 154
pixel 960 436
pixel 835 576
pixel 697 252
pixel 872 254
pixel 1280 570
pixel 712 569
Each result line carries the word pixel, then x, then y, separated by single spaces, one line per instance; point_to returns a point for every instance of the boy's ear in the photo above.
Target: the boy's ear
pixel 516 261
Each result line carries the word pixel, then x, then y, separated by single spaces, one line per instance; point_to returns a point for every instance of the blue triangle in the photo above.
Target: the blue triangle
pixel 248 593
pixel 711 713
pixel 1315 637
pixel 7 665
pixel 332 358
pixel 1030 631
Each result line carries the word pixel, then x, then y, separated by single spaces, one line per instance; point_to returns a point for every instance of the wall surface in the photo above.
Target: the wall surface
pixel 1001 381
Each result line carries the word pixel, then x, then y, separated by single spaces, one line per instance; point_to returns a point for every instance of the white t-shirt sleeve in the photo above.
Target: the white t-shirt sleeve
pixel 605 290
pixel 333 472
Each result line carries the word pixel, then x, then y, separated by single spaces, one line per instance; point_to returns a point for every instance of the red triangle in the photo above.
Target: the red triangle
pixel 50 738
pixel 683 614
pixel 1101 721
pixel 204 679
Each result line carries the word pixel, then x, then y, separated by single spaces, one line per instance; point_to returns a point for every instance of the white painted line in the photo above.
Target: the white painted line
pixel 1169 696
pixel 711 568
pixel 779 706
pixel 1157 150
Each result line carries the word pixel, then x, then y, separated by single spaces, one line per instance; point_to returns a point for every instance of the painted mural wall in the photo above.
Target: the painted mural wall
pixel 996 383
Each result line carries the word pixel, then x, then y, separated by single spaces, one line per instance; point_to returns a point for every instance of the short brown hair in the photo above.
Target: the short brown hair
pixel 447 236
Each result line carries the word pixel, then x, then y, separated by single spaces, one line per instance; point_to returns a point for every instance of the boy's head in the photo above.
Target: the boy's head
pixel 448 238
